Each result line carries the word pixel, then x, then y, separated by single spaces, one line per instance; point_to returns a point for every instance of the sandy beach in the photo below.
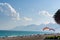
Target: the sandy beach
pixel 31 37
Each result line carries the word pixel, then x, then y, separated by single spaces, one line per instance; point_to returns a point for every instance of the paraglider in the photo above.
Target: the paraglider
pixel 47 28
pixel 51 29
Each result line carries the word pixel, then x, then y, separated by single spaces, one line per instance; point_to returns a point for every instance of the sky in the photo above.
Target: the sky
pixel 15 13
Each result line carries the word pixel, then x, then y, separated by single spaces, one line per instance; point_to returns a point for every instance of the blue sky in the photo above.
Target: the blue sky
pixel 26 12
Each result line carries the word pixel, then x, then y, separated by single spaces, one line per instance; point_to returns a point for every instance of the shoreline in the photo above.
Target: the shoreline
pixel 30 37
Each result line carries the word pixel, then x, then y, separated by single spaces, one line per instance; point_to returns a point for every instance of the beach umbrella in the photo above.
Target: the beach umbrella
pixel 47 28
pixel 57 16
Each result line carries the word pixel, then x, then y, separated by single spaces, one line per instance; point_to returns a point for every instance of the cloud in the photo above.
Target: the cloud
pixel 8 10
pixel 27 19
pixel 46 17
pixel 17 17
pixel 45 13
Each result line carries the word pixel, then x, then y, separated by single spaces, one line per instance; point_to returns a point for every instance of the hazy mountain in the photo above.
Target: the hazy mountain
pixel 36 27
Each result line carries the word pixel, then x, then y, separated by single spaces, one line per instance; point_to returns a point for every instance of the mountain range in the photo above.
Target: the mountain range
pixel 34 27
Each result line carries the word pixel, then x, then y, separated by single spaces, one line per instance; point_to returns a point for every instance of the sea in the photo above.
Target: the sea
pixel 5 33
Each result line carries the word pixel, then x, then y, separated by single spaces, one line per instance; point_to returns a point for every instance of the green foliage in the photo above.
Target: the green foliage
pixel 53 37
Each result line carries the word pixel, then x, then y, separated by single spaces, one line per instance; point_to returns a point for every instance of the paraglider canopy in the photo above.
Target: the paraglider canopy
pixel 47 28
pixel 57 16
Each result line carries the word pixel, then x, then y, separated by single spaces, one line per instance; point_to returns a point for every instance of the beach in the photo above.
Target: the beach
pixel 31 37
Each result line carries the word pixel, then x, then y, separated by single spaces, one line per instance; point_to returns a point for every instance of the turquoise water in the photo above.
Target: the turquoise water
pixel 20 33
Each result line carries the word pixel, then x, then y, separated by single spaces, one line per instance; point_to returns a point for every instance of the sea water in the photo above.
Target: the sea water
pixel 20 33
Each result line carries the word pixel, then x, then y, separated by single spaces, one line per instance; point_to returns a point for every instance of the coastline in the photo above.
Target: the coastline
pixel 30 37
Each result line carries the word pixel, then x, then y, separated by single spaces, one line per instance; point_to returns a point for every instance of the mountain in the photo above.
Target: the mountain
pixel 36 27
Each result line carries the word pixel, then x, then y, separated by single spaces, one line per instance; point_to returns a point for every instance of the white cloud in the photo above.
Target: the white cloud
pixel 46 17
pixel 17 17
pixel 27 19
pixel 45 13
pixel 9 11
